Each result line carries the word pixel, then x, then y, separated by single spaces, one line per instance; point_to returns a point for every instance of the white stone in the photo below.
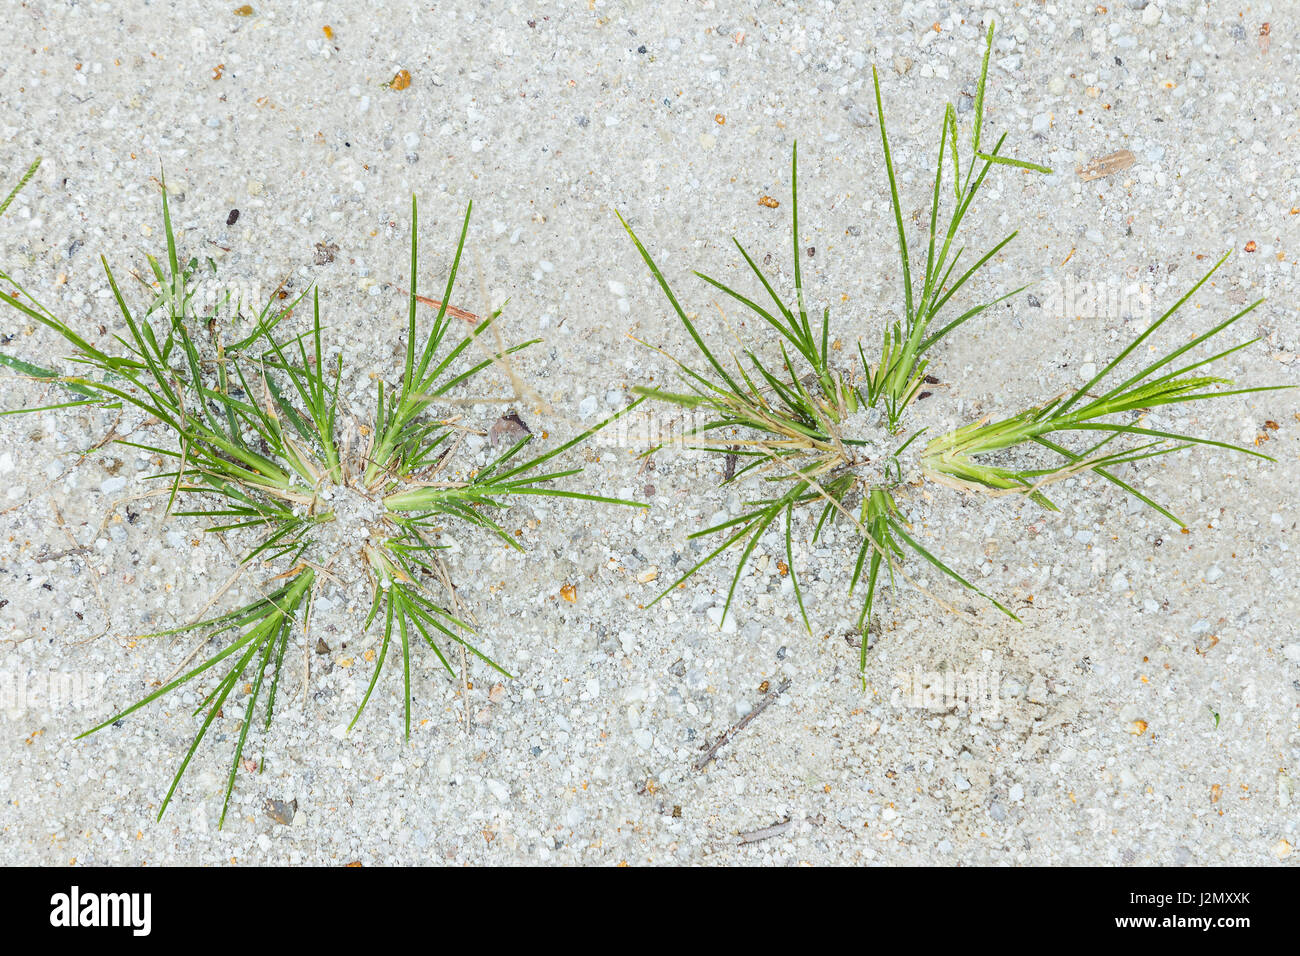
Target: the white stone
pixel 728 626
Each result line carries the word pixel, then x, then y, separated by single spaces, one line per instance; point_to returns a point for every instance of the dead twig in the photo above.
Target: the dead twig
pixel 469 317
pixel 741 724
pixel 59 555
pixel 766 833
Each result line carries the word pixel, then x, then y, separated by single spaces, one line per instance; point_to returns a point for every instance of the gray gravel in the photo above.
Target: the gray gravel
pixel 1143 712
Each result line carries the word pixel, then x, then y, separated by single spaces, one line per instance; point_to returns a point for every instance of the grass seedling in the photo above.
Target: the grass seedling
pixel 258 447
pixel 838 442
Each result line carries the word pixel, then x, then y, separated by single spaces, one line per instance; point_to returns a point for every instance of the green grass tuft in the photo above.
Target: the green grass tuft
pixel 797 423
pixel 256 444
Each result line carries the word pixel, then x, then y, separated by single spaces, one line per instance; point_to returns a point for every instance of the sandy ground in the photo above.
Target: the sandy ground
pixel 1145 711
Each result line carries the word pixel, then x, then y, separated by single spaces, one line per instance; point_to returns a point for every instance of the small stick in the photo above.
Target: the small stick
pixel 58 555
pixel 740 725
pixel 766 833
pixel 451 309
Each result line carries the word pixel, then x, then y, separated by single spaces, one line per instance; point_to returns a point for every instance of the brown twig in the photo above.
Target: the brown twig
pixel 454 312
pixel 741 724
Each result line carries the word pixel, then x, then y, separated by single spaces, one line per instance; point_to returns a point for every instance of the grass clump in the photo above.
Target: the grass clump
pixel 839 442
pixel 257 444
